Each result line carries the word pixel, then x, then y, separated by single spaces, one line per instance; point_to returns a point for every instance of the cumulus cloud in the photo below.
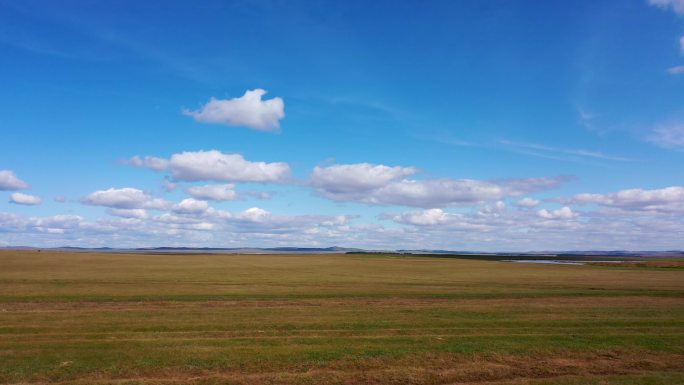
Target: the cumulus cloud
pixel 11 222
pixel 671 136
pixel 176 219
pixel 249 110
pixel 191 213
pixel 515 187
pixel 669 200
pixel 125 198
pixel 25 199
pixel 151 162
pixel 676 5
pixel 562 213
pixel 56 224
pixel 438 192
pixel 482 229
pixel 527 203
pixel 214 165
pixel 129 213
pixel 191 206
pixel 10 181
pixel 255 214
pixel 344 178
pixel 215 192
pixel 423 218
pixel 492 210
pixel 439 220
pixel 384 185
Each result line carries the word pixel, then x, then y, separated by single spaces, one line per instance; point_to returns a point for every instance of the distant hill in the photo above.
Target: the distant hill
pixel 337 249
pixel 168 249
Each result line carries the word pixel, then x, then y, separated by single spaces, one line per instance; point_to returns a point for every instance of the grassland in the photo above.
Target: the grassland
pixel 90 318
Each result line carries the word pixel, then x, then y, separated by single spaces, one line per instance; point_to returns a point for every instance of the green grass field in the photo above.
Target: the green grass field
pixel 90 318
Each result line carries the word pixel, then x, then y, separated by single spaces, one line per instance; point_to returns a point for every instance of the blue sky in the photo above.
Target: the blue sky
pixel 498 125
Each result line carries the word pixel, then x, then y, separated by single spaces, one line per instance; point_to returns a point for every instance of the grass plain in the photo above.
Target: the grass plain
pixel 89 318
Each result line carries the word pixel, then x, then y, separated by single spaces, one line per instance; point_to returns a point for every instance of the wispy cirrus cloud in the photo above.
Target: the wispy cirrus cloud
pixel 546 151
pixel 676 70
pixel 586 118
pixel 676 5
pixel 669 136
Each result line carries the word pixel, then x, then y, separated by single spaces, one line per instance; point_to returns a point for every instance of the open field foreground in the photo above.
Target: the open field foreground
pixel 88 318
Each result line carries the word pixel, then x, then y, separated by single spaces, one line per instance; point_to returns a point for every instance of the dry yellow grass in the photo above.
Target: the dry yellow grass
pixel 334 319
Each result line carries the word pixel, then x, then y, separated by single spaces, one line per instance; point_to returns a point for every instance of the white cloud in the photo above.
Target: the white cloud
pixel 56 224
pixel 562 213
pixel 344 178
pixel 25 199
pixel 255 220
pixel 422 218
pixel 383 185
pixel 125 198
pixel 516 187
pixel 214 165
pixel 255 214
pixel 9 181
pixel 129 213
pixel 438 192
pixel 496 210
pixel 527 203
pixel 151 162
pixel 669 200
pixel 500 229
pixel 671 136
pixel 380 184
pixel 215 192
pixel 249 110
pixel 681 45
pixel 11 222
pixel 191 206
pixel 676 70
pixel 676 5
pixel 203 226
pixel 175 219
pixel 439 220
